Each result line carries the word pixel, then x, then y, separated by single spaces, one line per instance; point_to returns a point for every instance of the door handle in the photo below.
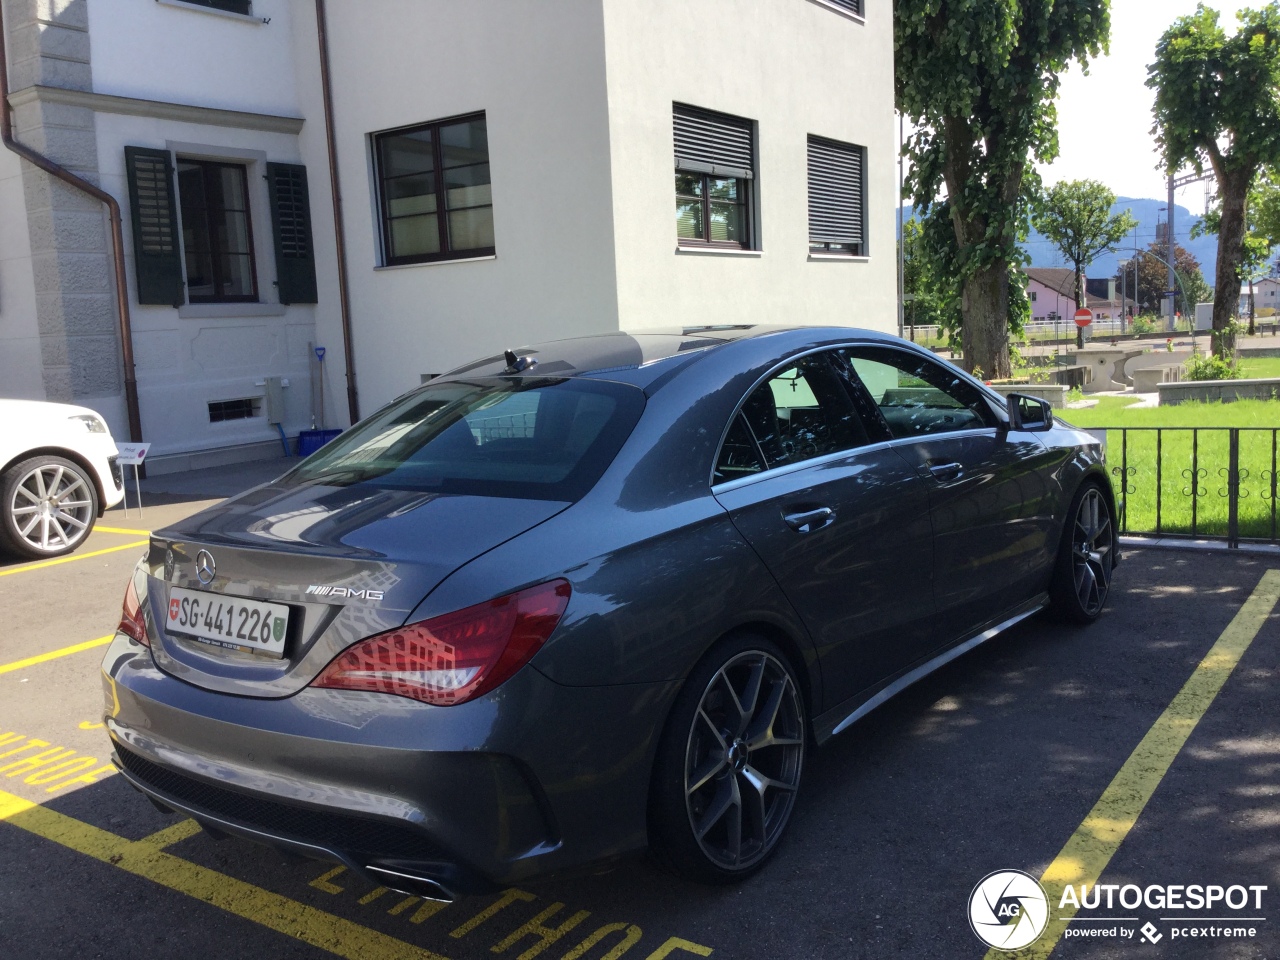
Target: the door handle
pixel 946 471
pixel 810 520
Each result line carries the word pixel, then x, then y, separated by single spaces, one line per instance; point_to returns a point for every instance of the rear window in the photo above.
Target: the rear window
pixel 532 438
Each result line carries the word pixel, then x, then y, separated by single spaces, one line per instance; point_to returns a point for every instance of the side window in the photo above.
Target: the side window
pixel 714 167
pixel 739 457
pixel 436 197
pixel 917 396
pixel 216 233
pixel 803 411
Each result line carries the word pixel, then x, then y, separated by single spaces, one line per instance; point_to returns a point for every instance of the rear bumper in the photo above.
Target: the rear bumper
pixel 535 778
pixel 357 842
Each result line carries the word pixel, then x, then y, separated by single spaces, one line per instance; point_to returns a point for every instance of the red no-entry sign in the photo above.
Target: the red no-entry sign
pixel 1083 317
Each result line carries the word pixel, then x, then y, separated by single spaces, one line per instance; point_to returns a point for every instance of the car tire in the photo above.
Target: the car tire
pixel 729 763
pixel 1086 557
pixel 48 508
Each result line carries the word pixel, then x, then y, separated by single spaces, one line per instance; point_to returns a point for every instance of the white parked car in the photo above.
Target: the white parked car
pixel 57 475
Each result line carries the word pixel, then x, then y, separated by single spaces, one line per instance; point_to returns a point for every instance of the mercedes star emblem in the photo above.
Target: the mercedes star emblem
pixel 205 567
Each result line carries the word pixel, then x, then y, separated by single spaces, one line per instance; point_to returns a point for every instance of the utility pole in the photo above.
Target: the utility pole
pixel 1174 184
pixel 1137 307
pixel 1169 259
pixel 902 240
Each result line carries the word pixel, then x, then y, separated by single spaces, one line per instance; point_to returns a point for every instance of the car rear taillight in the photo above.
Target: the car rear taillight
pixel 455 657
pixel 132 623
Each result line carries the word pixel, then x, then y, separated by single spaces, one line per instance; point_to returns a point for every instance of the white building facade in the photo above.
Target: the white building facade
pixel 510 171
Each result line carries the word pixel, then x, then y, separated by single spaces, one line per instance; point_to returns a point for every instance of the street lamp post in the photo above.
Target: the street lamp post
pixel 1124 281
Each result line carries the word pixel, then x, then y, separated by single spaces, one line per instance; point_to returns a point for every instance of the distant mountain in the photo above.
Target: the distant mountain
pixel 1148 213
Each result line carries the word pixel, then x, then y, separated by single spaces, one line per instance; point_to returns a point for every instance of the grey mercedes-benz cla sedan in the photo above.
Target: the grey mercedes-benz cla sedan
pixel 593 595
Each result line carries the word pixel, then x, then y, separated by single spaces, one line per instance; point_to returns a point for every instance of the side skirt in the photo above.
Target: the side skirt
pixel 852 710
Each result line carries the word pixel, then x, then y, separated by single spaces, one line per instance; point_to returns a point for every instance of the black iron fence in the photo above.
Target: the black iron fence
pixel 1203 483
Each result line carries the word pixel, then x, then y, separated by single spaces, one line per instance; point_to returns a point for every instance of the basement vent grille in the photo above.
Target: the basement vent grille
pixel 223 410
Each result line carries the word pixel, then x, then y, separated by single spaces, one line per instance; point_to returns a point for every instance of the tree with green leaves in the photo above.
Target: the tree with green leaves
pixel 930 293
pixel 978 79
pixel 1217 106
pixel 1153 278
pixel 1076 217
pixel 1261 231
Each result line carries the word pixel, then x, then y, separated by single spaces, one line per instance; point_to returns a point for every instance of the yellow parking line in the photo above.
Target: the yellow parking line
pixel 144 858
pixel 55 654
pixel 1096 840
pixel 167 837
pixel 75 556
pixel 138 533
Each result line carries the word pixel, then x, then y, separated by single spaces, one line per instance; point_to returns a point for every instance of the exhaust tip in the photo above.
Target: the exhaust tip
pixel 414 886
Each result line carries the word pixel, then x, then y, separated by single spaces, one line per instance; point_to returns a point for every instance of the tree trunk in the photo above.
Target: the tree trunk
pixel 1252 306
pixel 985 335
pixel 1234 187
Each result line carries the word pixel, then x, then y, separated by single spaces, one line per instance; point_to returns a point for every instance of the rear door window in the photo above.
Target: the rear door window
pixel 801 412
pixel 541 438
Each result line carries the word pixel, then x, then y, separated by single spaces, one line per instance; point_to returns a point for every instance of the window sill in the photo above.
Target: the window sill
pixel 847 258
pixel 435 263
pixel 201 8
pixel 716 252
pixel 215 311
pixel 835 8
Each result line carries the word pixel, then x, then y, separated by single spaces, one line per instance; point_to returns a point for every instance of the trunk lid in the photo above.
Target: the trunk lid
pixel 348 562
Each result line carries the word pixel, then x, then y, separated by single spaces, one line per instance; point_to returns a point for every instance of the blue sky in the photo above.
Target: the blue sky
pixel 1105 117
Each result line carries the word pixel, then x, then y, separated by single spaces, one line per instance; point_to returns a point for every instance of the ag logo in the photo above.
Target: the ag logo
pixel 1008 909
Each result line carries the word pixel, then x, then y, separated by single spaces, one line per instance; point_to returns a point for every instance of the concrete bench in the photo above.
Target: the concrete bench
pixel 1148 379
pixel 1108 367
pixel 1055 393
pixel 1172 394
pixel 1073 377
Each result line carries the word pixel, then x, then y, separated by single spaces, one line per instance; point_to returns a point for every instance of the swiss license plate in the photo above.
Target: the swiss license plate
pixel 232 622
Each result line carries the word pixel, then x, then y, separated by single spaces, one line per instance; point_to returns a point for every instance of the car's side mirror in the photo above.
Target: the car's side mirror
pixel 1029 413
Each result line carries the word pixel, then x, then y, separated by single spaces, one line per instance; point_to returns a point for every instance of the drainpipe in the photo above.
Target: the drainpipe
pixel 339 234
pixel 117 235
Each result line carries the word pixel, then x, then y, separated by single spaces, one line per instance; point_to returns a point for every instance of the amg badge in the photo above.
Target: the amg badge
pixel 351 592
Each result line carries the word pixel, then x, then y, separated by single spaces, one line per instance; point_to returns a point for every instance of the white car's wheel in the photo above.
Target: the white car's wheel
pixel 49 507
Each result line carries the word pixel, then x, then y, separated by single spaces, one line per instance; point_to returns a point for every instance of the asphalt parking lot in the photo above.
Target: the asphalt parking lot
pixel 1036 752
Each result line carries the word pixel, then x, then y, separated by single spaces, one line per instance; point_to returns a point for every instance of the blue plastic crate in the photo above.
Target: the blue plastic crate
pixel 309 441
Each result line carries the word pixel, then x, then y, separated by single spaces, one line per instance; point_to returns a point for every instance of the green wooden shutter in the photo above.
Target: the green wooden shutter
pixel 291 219
pixel 156 256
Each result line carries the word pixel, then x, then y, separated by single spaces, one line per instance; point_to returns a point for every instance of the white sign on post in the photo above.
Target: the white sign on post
pixel 132 455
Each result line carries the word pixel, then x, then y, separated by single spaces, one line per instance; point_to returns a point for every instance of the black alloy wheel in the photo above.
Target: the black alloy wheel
pixel 731 764
pixel 1082 579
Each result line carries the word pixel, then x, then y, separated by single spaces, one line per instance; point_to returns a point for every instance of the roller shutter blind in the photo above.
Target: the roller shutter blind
pixel 713 143
pixel 242 7
pixel 853 6
pixel 291 223
pixel 837 182
pixel 157 258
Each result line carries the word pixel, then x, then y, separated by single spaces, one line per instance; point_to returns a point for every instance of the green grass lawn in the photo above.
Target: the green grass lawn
pixel 1119 412
pixel 1164 461
pixel 1260 368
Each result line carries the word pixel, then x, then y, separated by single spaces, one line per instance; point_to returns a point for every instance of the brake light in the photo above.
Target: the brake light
pixel 455 657
pixel 132 622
